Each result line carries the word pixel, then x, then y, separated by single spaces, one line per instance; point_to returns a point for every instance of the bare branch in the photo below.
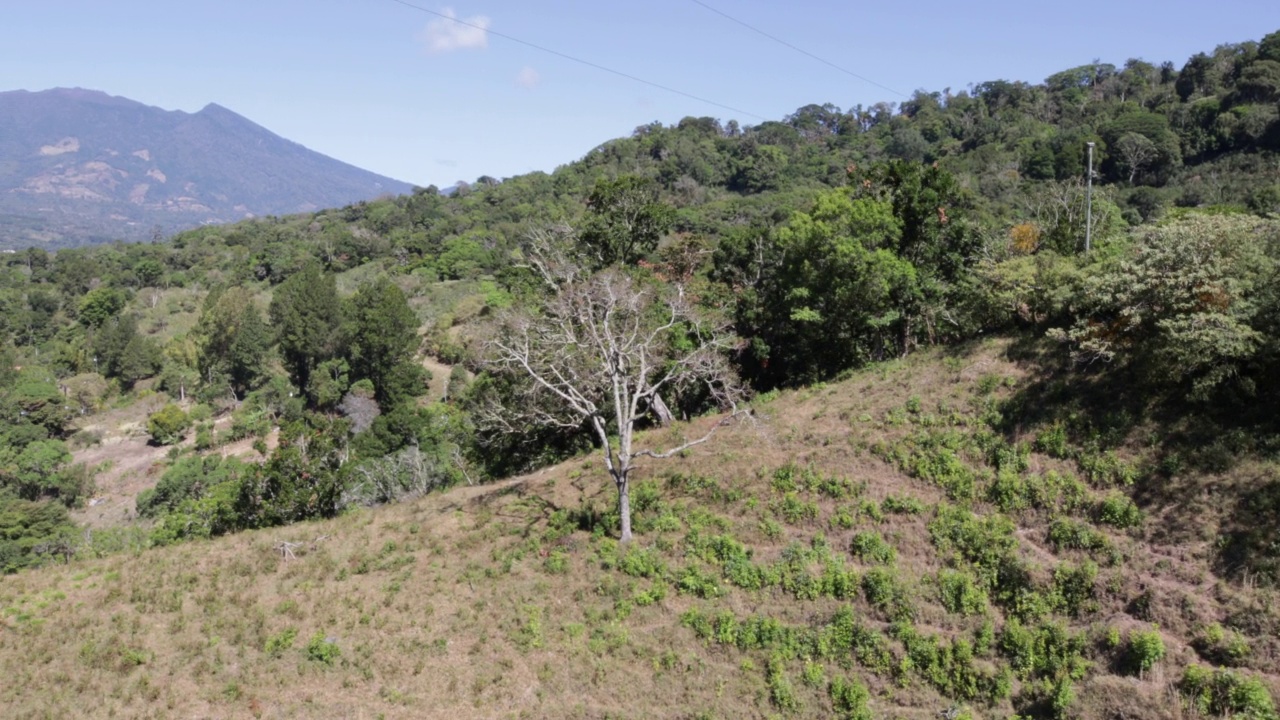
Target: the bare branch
pixel 598 353
pixel 723 422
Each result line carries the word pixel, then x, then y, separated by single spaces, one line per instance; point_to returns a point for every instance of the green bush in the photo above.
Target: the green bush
pixel 1107 470
pixel 902 506
pixel 1073 588
pixel 1119 511
pixel 694 582
pixel 33 533
pixel 277 644
pixel 849 698
pixel 643 563
pixel 987 543
pixel 322 650
pixel 1008 491
pixel 1068 534
pixel 204 438
pixel 943 467
pixel 190 478
pixel 1052 441
pixel 1146 648
pixel 1055 492
pixel 1216 644
pixel 781 693
pixel 793 510
pixel 872 548
pixel 814 674
pixel 1222 692
pixel 1049 651
pixel 960 593
pixel 168 425
pixel 556 562
pixel 885 592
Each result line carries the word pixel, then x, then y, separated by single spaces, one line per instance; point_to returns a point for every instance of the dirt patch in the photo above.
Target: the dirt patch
pixel 128 465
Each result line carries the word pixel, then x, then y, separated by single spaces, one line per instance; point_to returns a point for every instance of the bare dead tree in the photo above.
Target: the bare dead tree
pixel 1136 152
pixel 1061 203
pixel 404 475
pixel 600 352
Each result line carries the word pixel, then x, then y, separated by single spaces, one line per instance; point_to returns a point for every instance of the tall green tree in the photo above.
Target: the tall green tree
pixel 382 336
pixel 869 272
pixel 306 314
pixel 233 342
pixel 626 218
pixel 831 291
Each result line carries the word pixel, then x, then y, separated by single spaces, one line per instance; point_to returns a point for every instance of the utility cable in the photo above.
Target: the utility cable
pixel 579 60
pixel 802 51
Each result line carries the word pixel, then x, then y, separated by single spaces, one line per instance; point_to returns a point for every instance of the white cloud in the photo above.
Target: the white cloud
pixel 528 77
pixel 446 35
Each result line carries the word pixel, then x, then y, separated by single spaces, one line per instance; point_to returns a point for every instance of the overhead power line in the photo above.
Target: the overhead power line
pixel 580 61
pixel 800 50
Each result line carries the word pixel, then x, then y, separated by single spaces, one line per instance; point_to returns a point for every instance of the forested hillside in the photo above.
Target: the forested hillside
pixel 1093 490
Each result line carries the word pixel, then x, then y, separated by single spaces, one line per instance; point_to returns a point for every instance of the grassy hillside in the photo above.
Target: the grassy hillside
pixel 869 548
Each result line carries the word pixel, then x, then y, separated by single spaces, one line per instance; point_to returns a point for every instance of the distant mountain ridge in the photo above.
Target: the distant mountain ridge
pixel 80 166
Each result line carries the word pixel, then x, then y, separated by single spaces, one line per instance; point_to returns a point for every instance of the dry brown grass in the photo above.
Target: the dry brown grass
pixel 449 606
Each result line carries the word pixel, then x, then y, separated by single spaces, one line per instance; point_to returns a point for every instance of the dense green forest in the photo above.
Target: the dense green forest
pixel 792 252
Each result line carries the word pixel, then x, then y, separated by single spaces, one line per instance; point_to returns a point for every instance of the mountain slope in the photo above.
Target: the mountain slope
pixel 81 166
pixel 789 569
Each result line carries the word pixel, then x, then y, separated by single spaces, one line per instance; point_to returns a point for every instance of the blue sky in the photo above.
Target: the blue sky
pixel 399 92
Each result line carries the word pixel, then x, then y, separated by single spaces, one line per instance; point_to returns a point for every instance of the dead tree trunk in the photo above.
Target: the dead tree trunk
pixel 660 410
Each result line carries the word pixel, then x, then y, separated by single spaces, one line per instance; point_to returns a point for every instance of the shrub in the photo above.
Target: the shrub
pixel 1055 492
pixel 1215 644
pixel 960 593
pixel 1061 696
pixel 1106 469
pixel 204 438
pixel 322 649
pixel 1222 692
pixel 849 697
pixel 781 692
pixel 941 466
pixel 1047 652
pixel 1052 441
pixel 694 582
pixel 1008 491
pixel 1146 648
pixel 277 644
pixel 793 510
pixel 873 549
pixel 814 675
pixel 884 592
pixel 557 562
pixel 1073 587
pixel 988 543
pixel 28 526
pixel 643 563
pixel 784 478
pixel 902 506
pixel 1068 534
pixel 168 425
pixel 1119 511
pixel 190 478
